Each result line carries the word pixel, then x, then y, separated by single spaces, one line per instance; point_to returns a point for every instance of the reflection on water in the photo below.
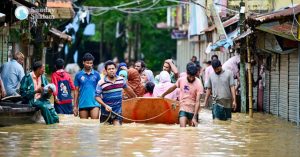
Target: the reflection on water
pixel 264 135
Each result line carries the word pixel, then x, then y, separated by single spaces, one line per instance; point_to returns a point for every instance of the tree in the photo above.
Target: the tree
pixel 138 34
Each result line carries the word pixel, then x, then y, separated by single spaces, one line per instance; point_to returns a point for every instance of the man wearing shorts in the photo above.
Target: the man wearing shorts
pixel 85 86
pixel 190 90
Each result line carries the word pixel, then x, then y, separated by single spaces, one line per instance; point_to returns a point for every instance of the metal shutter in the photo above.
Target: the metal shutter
pixel 255 75
pixel 283 89
pixel 274 87
pixel 184 54
pixel 293 86
pixel 266 105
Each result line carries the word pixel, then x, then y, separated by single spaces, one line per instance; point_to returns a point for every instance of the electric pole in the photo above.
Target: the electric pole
pixel 243 57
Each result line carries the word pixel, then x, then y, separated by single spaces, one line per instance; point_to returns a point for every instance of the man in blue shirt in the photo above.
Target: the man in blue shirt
pixel 85 86
pixel 109 94
pixel 12 73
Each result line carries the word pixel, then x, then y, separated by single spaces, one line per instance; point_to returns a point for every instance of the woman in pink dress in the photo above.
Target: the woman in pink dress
pixel 163 85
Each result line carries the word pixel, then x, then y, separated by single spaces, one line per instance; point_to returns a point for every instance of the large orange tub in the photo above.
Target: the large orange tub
pixel 150 110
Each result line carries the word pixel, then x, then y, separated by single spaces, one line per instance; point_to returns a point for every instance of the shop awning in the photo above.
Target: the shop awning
pixel 274 43
pixel 226 23
pixel 61 9
pixel 280 29
pixel 279 14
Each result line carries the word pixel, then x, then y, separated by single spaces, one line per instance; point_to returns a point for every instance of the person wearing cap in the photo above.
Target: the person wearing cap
pixel 222 87
pixel 190 90
pixel 35 91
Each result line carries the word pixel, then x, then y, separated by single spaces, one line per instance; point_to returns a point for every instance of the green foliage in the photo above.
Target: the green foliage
pixel 156 44
pixel 14 34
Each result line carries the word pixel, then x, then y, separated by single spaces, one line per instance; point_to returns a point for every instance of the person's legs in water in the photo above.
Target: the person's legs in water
pixel 187 118
pixel 220 112
pixel 94 113
pixel 111 119
pixel 49 115
pixel 116 122
pixel 63 108
pixel 105 118
pixel 183 121
pixel 183 118
pixel 54 115
pixel 190 118
pixel 116 119
pixel 84 113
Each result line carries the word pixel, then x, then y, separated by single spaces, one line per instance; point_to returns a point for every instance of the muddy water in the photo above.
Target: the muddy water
pixel 264 135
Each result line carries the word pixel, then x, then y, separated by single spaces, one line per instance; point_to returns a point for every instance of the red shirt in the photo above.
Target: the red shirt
pixel 62 75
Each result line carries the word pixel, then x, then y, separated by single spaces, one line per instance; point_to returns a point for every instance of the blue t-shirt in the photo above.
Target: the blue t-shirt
pixel 11 73
pixel 87 88
pixel 111 94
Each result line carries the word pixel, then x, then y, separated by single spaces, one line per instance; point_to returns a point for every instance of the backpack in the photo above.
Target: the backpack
pixel 64 93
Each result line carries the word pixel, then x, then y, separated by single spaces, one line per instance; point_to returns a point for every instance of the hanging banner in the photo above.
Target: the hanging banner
pixel 198 19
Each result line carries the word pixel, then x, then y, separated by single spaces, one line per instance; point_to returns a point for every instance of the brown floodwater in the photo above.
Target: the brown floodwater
pixel 264 135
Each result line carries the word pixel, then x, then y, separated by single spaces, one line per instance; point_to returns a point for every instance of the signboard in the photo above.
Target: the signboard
pixel 179 34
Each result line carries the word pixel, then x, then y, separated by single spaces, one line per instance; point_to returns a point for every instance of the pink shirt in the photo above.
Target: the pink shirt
pixel 37 82
pixel 148 95
pixel 189 93
pixel 208 71
pixel 232 65
pixel 163 85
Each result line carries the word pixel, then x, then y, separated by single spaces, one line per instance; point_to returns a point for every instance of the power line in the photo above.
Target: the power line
pixel 142 9
pixel 97 11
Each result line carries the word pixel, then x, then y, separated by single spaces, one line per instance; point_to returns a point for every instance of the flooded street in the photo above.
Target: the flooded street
pixel 264 135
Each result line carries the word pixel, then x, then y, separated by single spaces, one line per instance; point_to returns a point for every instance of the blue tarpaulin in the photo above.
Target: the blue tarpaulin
pixel 226 43
pixel 89 29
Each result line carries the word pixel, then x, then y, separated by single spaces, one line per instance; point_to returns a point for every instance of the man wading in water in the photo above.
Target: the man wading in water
pixel 109 94
pixel 85 87
pixel 221 84
pixel 190 90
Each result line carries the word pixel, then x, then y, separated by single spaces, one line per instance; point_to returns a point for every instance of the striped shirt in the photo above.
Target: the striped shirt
pixel 111 94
